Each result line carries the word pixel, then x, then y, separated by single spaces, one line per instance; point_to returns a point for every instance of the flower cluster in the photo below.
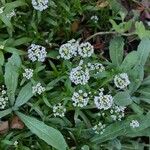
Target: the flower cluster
pixel 117 112
pixel 11 14
pixel 16 143
pixel 98 67
pixel 103 101
pixel 80 99
pixel 1 10
pixel 85 49
pixel 95 18
pixel 73 48
pixel 79 75
pixel 38 89
pixel 40 4
pixel 28 74
pixel 121 80
pixel 134 124
pixel 59 110
pixel 3 97
pixel 69 49
pixel 99 128
pixel 37 52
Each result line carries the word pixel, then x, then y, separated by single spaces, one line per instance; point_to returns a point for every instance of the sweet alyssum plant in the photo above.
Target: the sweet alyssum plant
pixel 83 95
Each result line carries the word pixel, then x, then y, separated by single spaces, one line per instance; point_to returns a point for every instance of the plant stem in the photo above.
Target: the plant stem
pixel 109 32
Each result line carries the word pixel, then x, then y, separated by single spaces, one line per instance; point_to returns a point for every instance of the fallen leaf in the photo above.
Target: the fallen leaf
pixel 102 3
pixel 16 123
pixel 4 127
pixel 75 26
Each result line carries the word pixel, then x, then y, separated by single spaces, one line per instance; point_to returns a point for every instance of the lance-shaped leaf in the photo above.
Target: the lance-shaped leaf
pixel 116 50
pixel 143 50
pixel 50 135
pixel 11 76
pixel 24 95
pixel 3 113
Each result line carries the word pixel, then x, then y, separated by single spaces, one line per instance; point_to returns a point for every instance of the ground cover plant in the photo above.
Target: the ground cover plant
pixel 74 75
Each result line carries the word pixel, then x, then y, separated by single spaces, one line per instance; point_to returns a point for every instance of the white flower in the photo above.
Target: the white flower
pixel 80 98
pixel 85 49
pixel 134 124
pixel 59 110
pixel 148 23
pixel 69 49
pixel 1 10
pixel 98 67
pixel 11 14
pixel 79 76
pixel 117 112
pixel 28 74
pixel 121 80
pixel 16 143
pixel 37 52
pixel 99 128
pixel 40 4
pixel 3 97
pixel 95 18
pixel 1 46
pixel 103 101
pixel 38 89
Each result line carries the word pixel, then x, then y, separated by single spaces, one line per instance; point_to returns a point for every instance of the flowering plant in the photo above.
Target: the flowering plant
pixel 66 93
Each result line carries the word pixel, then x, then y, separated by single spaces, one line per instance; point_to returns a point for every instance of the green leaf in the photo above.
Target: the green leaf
pixel 5 112
pixel 145 99
pixel 53 54
pixel 50 135
pixel 1 58
pixel 136 108
pixel 6 21
pixel 24 95
pixel 145 132
pixel 145 91
pixel 11 76
pixel 146 81
pixel 130 61
pixel 116 50
pixel 123 98
pixel 21 41
pixel 136 78
pixel 143 50
pixel 123 128
pixel 12 5
pixel 14 50
pixel 141 31
pixel 85 147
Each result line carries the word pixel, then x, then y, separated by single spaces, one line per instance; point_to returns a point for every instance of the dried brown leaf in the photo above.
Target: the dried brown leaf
pixel 16 123
pixel 4 127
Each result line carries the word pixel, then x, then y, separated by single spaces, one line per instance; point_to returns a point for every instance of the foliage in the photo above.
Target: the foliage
pixel 84 94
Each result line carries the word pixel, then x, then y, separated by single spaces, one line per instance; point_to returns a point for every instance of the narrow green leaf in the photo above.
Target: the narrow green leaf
pixel 1 58
pixel 12 5
pixel 11 76
pixel 146 81
pixel 6 21
pixel 14 50
pixel 136 78
pixel 145 91
pixel 123 128
pixel 3 113
pixel 50 135
pixel 123 98
pixel 143 50
pixel 116 50
pixel 21 41
pixel 24 95
pixel 130 61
